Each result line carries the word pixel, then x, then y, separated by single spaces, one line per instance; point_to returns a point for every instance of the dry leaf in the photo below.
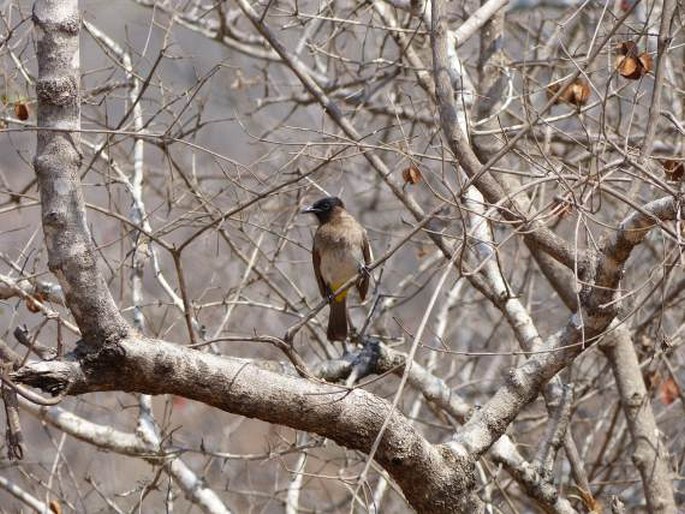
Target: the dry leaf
pixel 579 92
pixel 21 111
pixel 411 175
pixel 552 90
pixel 31 302
pixel 576 93
pixel 628 67
pixel 646 61
pixel 591 503
pixel 628 48
pixel 55 507
pixel 668 391
pixel 630 63
pixel 674 170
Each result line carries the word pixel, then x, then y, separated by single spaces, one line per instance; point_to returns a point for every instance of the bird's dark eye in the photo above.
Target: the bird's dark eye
pixel 326 207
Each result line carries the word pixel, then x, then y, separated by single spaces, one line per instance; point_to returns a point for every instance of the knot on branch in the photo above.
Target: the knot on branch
pixel 634 402
pixel 101 357
pixel 53 377
pixel 65 22
pixel 516 379
pixel 55 219
pixel 58 91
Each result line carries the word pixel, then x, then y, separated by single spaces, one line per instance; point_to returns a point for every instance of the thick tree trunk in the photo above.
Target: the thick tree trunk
pixel 433 479
pixel 58 160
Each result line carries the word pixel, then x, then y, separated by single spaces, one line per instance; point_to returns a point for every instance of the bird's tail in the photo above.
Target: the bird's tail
pixel 337 320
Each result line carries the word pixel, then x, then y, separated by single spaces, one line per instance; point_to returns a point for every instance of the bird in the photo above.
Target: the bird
pixel 341 251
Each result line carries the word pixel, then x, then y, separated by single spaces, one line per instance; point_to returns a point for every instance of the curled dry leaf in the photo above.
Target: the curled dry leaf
pixel 21 111
pixel 577 93
pixel 55 507
pixel 673 169
pixel 668 391
pixel 31 302
pixel 646 61
pixel 591 503
pixel 628 48
pixel 411 175
pixel 630 63
pixel 628 67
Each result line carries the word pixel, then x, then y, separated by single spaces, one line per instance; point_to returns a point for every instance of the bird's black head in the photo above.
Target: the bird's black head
pixel 324 208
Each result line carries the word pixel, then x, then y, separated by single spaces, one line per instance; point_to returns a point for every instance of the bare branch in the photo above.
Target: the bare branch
pixel 649 454
pixel 156 367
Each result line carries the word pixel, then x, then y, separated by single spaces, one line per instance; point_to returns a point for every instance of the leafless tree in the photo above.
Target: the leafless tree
pixel 519 167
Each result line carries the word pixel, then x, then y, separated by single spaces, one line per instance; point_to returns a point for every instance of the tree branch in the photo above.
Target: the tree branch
pixel 583 329
pixel 431 477
pixel 649 455
pixel 537 236
pixel 58 159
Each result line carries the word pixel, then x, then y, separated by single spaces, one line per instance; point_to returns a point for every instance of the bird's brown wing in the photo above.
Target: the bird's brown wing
pixel 363 284
pixel 316 261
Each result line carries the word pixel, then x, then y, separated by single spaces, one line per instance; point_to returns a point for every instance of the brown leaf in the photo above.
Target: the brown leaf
pixel 580 92
pixel 668 391
pixel 630 63
pixel 629 67
pixel 576 93
pixel 552 90
pixel 628 48
pixel 411 175
pixel 31 304
pixel 674 170
pixel 646 61
pixel 21 111
pixel 55 507
pixel 591 503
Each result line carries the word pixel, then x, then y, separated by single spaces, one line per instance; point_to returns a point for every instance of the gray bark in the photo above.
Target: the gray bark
pixel 432 478
pixel 71 255
pixel 649 455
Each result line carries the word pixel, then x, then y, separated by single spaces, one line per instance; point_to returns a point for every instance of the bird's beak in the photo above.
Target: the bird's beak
pixel 309 210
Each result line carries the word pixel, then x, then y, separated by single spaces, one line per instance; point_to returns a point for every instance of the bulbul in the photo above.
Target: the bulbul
pixel 341 251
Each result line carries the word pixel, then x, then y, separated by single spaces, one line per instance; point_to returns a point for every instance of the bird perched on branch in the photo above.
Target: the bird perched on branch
pixel 341 251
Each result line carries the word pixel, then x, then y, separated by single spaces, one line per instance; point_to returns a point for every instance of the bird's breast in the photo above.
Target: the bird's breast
pixel 340 249
pixel 338 264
